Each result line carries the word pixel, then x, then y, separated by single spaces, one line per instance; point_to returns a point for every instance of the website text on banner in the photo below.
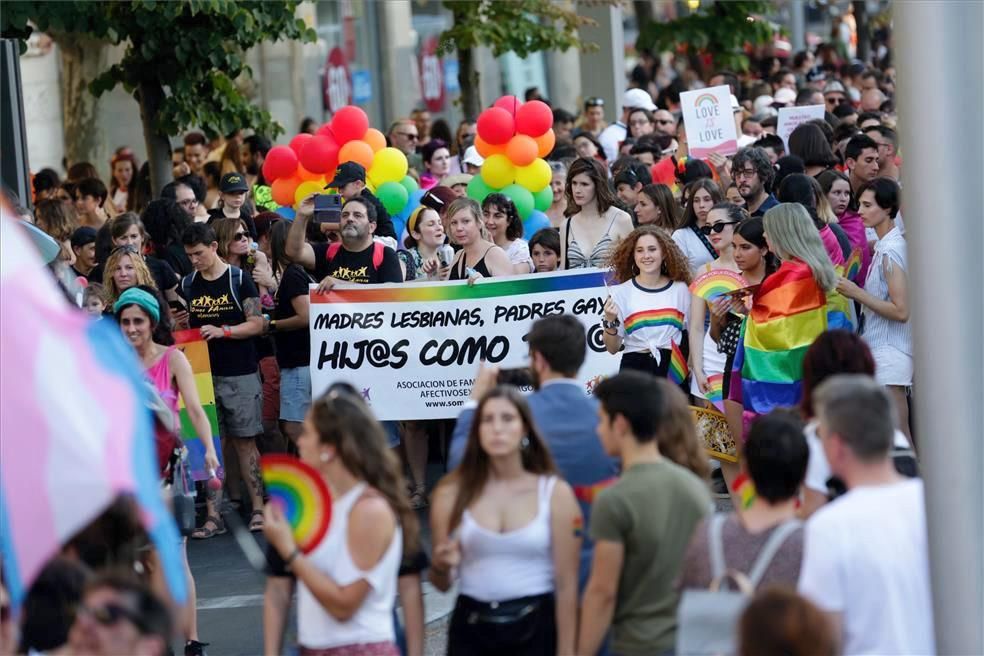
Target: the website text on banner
pixel 412 350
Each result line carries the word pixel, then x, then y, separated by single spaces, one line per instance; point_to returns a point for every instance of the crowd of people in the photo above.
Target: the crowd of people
pixel 567 524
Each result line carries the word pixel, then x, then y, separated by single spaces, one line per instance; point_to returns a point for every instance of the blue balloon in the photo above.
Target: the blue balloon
pixel 413 203
pixel 287 212
pixel 536 221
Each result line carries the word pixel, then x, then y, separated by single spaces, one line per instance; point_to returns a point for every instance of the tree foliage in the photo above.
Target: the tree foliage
pixel 520 26
pixel 720 30
pixel 192 51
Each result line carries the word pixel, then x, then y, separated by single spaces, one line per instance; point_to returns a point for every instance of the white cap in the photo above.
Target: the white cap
pixel 638 99
pixel 785 96
pixel 763 105
pixel 472 157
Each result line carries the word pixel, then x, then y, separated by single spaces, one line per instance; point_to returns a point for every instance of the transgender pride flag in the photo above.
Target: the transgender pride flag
pixel 74 429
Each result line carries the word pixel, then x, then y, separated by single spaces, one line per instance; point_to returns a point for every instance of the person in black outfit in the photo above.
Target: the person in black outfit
pixel 232 202
pixel 350 181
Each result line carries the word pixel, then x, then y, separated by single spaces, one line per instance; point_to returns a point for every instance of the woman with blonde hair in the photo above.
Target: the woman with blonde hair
pixel 124 268
pixel 647 313
pixel 237 248
pixel 479 257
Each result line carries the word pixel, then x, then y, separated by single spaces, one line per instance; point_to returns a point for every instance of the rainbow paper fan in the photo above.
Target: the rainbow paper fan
pixel 302 495
pixel 853 265
pixel 712 284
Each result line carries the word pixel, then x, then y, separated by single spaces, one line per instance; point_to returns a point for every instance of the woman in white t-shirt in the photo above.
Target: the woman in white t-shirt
pixel 347 583
pixel 506 230
pixel 699 197
pixel 647 313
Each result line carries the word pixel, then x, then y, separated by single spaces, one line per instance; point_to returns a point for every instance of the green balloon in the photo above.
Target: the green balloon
pixel 522 198
pixel 393 196
pixel 543 199
pixel 478 189
pixel 409 184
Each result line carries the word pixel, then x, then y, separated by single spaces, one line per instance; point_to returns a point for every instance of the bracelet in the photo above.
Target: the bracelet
pixel 226 331
pixel 614 333
pixel 292 557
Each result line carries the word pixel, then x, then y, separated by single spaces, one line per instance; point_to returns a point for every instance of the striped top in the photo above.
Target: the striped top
pixel 651 319
pixel 889 252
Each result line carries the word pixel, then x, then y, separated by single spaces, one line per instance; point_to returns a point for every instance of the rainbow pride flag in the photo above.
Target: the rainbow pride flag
pixel 678 365
pixel 588 493
pixel 788 313
pixel 671 317
pixel 716 392
pixel 195 348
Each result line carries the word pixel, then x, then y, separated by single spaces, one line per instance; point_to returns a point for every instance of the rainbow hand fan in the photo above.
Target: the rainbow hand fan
pixel 712 284
pixel 303 496
pixel 853 265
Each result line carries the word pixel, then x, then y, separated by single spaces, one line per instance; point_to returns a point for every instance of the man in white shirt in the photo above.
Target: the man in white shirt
pixel 615 133
pixel 865 557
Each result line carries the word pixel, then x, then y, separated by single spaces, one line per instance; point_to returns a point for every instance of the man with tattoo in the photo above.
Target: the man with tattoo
pixel 223 303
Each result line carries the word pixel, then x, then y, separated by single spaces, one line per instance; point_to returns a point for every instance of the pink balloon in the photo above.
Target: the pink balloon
pixel 534 118
pixel 509 103
pixel 496 126
pixel 349 123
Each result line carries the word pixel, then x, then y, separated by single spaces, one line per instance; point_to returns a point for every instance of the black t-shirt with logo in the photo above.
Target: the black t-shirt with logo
pixel 214 303
pixel 293 346
pixel 349 266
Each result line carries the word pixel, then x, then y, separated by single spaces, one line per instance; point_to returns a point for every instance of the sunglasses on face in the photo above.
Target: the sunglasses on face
pixel 111 614
pixel 836 101
pixel 717 227
pixel 239 235
pixel 407 135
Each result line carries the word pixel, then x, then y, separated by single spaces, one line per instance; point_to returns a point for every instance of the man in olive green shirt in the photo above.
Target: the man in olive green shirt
pixel 641 525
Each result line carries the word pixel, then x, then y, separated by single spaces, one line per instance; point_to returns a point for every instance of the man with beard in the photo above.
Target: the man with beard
pixel 752 172
pixel 251 156
pixel 567 417
pixel 356 258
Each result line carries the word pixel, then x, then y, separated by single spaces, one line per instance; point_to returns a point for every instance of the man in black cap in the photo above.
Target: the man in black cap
pixel 232 201
pixel 84 246
pixel 350 181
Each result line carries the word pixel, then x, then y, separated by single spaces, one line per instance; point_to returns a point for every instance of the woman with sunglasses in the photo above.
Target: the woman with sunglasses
pixel 143 319
pixel 237 248
pixel 706 359
pixel 502 526
pixel 700 196
pixel 347 584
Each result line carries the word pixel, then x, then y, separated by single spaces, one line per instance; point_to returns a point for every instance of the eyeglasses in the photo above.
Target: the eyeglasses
pixel 110 614
pixel 664 121
pixel 407 135
pixel 188 202
pixel 240 235
pixel 745 173
pixel 594 101
pixel 836 100
pixel 717 227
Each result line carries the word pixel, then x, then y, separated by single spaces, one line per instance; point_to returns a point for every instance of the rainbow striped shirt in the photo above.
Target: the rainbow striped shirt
pixel 651 318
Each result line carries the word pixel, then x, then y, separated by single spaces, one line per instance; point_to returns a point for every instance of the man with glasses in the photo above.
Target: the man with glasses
pixel 834 94
pixel 403 136
pixel 753 173
pixel 120 616
pixel 664 123
pixel 183 195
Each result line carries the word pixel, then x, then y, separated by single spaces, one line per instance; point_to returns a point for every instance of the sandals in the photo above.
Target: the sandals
pixel 256 521
pixel 203 532
pixel 418 497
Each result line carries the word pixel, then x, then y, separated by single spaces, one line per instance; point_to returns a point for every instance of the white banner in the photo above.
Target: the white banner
pixel 709 121
pixel 412 349
pixel 790 117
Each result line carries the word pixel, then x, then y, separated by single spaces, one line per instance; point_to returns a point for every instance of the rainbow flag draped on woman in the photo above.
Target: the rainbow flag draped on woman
pixel 788 312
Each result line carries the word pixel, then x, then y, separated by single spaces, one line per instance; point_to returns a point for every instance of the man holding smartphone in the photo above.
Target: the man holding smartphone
pixel 350 181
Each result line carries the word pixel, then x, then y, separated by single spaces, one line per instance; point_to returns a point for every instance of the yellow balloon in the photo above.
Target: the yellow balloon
pixel 534 177
pixel 499 172
pixel 388 165
pixel 305 189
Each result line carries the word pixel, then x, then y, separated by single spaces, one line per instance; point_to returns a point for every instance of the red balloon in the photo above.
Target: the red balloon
pixel 298 142
pixel 534 118
pixel 349 123
pixel 325 131
pixel 496 126
pixel 280 162
pixel 319 155
pixel 509 103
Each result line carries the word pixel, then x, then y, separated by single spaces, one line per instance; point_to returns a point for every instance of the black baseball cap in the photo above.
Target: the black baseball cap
pixel 232 183
pixel 346 173
pixel 82 236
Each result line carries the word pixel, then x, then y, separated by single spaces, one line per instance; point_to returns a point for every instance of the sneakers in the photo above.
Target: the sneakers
pixel 195 648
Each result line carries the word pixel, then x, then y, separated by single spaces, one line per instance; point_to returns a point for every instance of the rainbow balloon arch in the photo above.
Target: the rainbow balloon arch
pixel 513 138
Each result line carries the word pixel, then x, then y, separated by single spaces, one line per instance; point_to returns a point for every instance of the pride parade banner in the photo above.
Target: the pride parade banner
pixel 195 348
pixel 413 349
pixel 709 121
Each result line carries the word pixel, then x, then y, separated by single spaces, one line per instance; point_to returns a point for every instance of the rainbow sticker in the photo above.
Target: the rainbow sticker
pixel 853 265
pixel 712 284
pixel 303 496
pixel 678 365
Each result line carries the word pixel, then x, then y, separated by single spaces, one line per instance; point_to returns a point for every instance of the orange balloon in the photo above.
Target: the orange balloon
pixel 486 149
pixel 283 190
pixel 356 151
pixel 521 150
pixel 545 143
pixel 375 139
pixel 306 175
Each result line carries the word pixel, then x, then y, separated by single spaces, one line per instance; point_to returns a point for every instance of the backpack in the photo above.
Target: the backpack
pixel 235 273
pixel 378 252
pixel 707 619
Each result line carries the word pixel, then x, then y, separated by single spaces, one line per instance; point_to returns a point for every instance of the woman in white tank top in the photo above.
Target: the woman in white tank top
pixel 509 530
pixel 347 584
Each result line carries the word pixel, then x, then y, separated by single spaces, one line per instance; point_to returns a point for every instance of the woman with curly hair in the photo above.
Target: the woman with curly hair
pixel 125 268
pixel 506 230
pixel 647 312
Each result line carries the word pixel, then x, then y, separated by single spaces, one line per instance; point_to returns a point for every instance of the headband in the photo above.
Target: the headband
pixel 137 296
pixel 412 222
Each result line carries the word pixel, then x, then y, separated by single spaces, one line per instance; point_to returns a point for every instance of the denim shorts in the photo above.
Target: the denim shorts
pixel 295 393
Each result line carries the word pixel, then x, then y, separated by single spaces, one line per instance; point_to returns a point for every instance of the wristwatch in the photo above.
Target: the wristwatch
pixel 610 325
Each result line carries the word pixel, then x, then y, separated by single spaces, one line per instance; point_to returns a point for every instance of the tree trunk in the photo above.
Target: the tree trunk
pixel 471 93
pixel 150 95
pixel 82 60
